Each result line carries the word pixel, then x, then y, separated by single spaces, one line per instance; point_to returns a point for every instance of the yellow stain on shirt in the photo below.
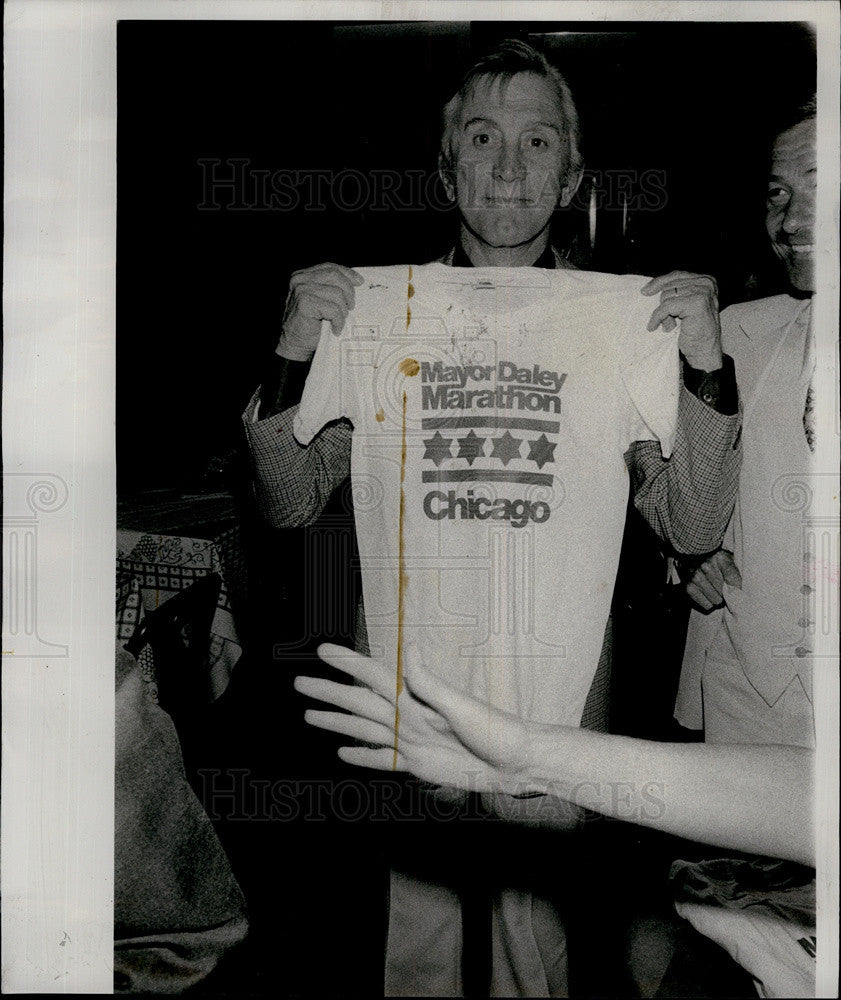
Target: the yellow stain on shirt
pixel 402 582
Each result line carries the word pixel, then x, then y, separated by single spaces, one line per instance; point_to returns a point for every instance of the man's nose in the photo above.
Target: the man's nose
pixel 509 163
pixel 800 213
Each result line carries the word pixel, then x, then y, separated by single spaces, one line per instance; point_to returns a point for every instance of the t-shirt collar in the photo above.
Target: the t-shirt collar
pixel 546 259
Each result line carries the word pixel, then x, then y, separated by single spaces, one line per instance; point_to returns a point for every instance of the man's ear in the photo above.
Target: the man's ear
pixel 568 190
pixel 446 174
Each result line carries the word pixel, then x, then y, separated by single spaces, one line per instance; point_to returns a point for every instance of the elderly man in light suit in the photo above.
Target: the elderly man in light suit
pixel 747 675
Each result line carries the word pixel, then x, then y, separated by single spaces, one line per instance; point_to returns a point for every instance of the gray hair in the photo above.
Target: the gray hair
pixel 511 57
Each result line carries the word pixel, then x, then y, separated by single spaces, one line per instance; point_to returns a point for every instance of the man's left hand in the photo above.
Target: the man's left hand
pixel 692 299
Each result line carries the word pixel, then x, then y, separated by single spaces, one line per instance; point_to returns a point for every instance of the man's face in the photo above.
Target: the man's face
pixel 790 215
pixel 512 152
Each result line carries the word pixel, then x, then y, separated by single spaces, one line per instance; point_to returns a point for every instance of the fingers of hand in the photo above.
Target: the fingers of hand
pixel 708 581
pixel 350 725
pixel 697 596
pixel 682 301
pixel 318 295
pixel 441 706
pixel 381 759
pixel 370 672
pixel 678 278
pixel 361 701
pixel 341 292
pixel 329 272
pixel 313 307
pixel 420 683
pixel 732 576
pixel 662 314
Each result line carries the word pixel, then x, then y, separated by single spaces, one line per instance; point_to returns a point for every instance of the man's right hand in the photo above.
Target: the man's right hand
pixel 706 585
pixel 325 291
pixel 442 735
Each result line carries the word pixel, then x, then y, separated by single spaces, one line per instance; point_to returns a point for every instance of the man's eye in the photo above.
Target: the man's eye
pixel 481 139
pixel 777 195
pixel 536 142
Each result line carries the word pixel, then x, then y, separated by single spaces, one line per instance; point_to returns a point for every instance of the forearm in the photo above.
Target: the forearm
pixel 293 482
pixel 283 384
pixel 756 799
pixel 688 499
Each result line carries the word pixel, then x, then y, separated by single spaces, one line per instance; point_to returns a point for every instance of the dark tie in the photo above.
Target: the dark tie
pixel 809 416
pixel 809 368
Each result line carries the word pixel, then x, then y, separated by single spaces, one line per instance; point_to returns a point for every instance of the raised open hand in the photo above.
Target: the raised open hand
pixel 441 735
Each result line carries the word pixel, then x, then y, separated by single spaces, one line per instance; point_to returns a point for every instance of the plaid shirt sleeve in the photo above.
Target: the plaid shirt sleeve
pixel 688 499
pixel 293 482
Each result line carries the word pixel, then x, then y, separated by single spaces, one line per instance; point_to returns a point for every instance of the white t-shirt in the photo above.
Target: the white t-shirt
pixel 491 410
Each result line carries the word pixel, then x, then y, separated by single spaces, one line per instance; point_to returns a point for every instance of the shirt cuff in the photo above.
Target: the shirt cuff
pixel 283 385
pixel 717 389
pixel 252 411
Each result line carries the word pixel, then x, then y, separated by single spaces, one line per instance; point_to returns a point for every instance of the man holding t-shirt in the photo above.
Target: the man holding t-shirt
pixel 509 157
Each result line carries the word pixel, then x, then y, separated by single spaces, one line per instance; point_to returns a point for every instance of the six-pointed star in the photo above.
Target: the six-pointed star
pixel 437 448
pixel 542 450
pixel 506 447
pixel 471 447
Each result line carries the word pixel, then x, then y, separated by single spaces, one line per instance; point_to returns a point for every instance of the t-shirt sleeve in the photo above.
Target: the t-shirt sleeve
pixel 325 395
pixel 339 382
pixel 649 366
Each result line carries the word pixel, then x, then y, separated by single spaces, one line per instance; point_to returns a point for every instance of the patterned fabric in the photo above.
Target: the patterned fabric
pixel 293 483
pixel 688 499
pixel 175 563
pixel 129 605
pixel 161 565
pixel 130 613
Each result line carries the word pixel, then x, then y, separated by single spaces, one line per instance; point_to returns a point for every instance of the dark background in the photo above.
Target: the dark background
pixel 200 291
